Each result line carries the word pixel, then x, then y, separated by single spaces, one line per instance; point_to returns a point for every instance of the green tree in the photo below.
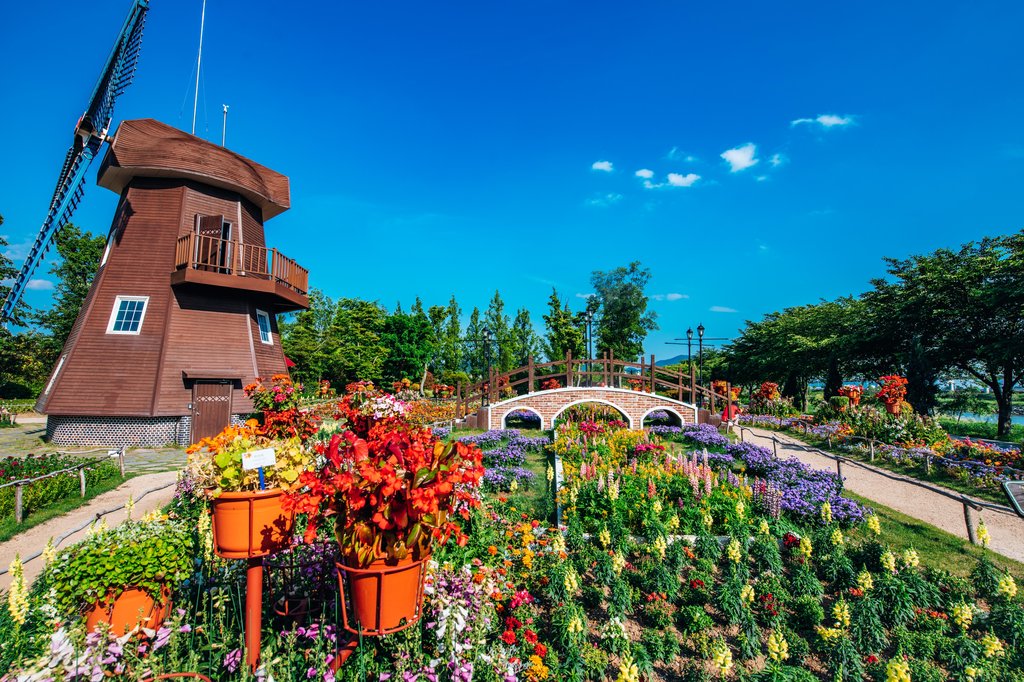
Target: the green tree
pixel 965 308
pixel 623 322
pixel 564 333
pixel 409 339
pixel 307 340
pixel 522 339
pixel 497 321
pixel 80 253
pixel 476 354
pixel 452 346
pixel 358 348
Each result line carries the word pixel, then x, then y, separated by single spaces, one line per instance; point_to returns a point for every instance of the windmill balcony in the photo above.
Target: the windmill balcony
pixel 210 261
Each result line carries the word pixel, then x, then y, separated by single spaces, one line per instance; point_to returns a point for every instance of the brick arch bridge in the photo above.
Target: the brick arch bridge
pixel 633 388
pixel 547 405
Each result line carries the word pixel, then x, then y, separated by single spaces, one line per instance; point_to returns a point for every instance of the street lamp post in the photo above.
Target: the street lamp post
pixel 486 334
pixel 700 353
pixel 588 316
pixel 689 347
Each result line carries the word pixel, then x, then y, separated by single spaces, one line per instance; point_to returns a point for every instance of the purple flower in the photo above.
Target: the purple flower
pixel 232 660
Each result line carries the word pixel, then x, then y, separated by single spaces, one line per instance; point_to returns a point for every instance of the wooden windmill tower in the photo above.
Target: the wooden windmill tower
pixel 182 311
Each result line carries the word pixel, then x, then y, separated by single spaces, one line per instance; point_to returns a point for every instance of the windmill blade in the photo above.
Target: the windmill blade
pixel 90 132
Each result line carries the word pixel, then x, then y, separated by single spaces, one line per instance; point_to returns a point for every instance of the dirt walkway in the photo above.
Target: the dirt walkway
pixel 1007 530
pixel 34 539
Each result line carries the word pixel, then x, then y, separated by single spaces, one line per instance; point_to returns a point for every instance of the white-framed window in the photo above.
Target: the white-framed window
pixel 263 321
pixel 127 315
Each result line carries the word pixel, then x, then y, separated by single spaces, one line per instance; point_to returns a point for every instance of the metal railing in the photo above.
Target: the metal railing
pixel 19 485
pixel 228 257
pixel 970 504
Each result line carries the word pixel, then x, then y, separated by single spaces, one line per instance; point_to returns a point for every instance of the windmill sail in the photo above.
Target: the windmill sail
pixel 89 134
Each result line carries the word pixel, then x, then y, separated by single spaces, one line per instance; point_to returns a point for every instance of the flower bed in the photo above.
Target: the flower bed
pixel 41 494
pixel 505 454
pixel 764 592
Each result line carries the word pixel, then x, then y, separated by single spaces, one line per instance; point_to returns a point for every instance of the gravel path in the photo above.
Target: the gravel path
pixel 34 539
pixel 1007 530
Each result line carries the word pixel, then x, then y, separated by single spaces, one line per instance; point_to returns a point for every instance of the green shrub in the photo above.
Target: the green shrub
pixel 807 612
pixel 148 555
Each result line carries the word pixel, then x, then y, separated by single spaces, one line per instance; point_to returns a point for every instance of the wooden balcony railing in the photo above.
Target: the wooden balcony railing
pixel 228 257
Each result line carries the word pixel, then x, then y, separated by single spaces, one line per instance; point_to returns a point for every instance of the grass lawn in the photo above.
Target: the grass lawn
pixel 937 548
pixel 8 528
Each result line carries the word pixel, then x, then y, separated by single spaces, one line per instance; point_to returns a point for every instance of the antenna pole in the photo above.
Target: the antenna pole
pixel 224 128
pixel 199 65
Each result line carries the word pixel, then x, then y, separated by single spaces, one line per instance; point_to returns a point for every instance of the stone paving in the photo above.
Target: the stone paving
pixel 27 438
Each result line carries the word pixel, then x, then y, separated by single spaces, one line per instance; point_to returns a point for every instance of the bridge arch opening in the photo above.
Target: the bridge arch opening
pixel 593 409
pixel 662 416
pixel 522 418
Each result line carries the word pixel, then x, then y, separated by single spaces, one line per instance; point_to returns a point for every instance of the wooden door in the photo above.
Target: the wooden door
pixel 213 244
pixel 211 408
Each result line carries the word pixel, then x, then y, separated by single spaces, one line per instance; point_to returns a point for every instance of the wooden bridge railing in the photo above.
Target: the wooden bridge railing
pixel 606 371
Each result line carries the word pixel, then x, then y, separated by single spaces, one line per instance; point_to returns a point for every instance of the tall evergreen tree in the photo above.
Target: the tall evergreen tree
pixel 624 322
pixel 523 338
pixel 452 345
pixel 497 321
pixel 475 358
pixel 564 332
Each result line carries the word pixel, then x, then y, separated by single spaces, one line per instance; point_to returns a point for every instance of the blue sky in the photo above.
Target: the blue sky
pixel 435 148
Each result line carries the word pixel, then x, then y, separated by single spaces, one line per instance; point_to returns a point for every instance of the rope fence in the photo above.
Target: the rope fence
pixel 970 504
pixel 99 515
pixel 19 485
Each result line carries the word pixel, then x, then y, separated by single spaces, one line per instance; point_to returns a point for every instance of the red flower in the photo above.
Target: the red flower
pixel 540 650
pixel 530 636
pixel 508 637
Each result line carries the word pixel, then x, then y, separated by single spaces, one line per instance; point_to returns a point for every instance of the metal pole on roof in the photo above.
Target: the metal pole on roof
pixel 199 66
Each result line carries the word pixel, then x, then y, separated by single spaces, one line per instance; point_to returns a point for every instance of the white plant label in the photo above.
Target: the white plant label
pixel 259 458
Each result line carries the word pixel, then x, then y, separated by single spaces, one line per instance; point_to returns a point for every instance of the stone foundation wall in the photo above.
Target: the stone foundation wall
pixel 121 431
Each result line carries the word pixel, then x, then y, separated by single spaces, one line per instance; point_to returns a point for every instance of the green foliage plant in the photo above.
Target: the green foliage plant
pixel 149 555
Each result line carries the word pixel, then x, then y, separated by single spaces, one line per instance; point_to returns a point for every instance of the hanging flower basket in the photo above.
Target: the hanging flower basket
pixel 130 608
pixel 382 598
pixel 893 408
pixel 250 524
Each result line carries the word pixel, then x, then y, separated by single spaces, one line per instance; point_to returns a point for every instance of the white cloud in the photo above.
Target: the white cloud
pixel 825 120
pixel 645 173
pixel 675 155
pixel 605 166
pixel 778 160
pixel 605 199
pixel 585 296
pixel 679 180
pixel 39 285
pixel 722 309
pixel 761 178
pixel 742 157
pixel 669 297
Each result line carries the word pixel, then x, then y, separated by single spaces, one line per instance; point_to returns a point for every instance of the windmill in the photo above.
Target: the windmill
pixel 90 132
pixel 181 314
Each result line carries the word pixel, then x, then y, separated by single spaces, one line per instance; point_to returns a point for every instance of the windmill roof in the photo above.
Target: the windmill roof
pixel 149 148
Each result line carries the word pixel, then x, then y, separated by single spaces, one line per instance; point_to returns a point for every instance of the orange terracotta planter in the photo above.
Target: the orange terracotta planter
pixel 893 408
pixel 132 607
pixel 250 524
pixel 383 598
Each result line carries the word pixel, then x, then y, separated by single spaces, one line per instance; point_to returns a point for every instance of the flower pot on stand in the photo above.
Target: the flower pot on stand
pixel 893 408
pixel 250 524
pixel 130 608
pixel 384 597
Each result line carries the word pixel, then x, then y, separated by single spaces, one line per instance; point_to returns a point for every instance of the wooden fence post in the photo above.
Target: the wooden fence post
pixel 872 442
pixel 693 385
pixel 81 480
pixel 529 382
pixel 969 520
pixel 611 370
pixel 775 447
pixel 680 378
pixel 928 464
pixel 642 368
pixel 458 399
pixel 19 515
pixel 653 388
pixel 568 369
pixel 839 469
pixel 120 460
